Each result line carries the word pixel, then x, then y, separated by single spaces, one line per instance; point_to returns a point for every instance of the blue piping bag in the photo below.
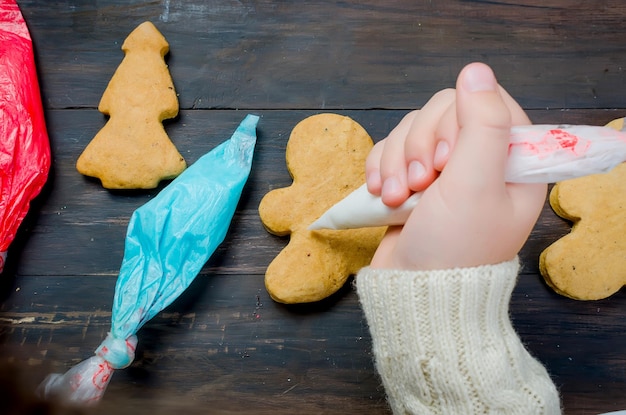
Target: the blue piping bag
pixel 168 241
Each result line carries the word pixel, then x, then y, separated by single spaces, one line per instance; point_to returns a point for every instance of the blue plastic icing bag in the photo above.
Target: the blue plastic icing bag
pixel 168 241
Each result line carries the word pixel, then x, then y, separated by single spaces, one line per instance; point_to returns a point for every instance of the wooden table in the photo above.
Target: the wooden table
pixel 224 346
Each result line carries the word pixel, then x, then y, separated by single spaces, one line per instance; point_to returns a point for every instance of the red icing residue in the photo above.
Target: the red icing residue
pixel 102 376
pixel 553 141
pixel 565 139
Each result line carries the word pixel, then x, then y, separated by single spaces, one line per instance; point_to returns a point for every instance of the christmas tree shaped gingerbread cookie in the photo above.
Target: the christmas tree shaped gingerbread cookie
pixel 132 150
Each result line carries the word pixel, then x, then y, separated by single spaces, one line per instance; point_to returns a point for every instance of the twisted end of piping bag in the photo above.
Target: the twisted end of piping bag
pixel 86 382
pixel 118 353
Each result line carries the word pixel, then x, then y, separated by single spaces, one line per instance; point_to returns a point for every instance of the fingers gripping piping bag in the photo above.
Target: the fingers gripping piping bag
pixel 24 143
pixel 537 154
pixel 168 241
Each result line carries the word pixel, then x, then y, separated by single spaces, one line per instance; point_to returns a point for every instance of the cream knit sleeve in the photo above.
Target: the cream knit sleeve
pixel 444 343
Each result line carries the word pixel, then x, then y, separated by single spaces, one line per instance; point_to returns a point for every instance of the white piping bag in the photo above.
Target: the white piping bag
pixel 537 154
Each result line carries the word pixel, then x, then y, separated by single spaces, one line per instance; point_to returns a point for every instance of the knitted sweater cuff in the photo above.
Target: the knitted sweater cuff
pixel 444 343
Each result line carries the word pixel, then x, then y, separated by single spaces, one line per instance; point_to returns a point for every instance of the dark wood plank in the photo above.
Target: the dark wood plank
pixel 348 55
pixel 93 220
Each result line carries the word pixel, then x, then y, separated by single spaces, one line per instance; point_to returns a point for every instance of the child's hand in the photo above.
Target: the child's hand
pixel 468 215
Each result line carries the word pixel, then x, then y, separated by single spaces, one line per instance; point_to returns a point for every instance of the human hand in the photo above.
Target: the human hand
pixel 455 149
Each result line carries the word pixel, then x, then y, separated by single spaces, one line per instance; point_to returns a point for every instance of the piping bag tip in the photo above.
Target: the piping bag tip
pixel 248 125
pixel 361 209
pixel 320 224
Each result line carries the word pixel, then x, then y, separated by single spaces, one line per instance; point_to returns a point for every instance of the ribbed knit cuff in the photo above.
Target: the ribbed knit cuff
pixel 444 343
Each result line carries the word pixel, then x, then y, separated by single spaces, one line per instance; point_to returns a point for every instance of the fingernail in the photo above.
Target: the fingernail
pixel 441 152
pixel 416 170
pixel 478 78
pixel 391 186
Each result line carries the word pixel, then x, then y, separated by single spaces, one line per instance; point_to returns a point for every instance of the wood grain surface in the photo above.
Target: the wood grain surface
pixel 224 346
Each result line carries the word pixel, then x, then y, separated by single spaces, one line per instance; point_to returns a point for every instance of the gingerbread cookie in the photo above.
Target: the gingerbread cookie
pixel 589 262
pixel 132 150
pixel 326 159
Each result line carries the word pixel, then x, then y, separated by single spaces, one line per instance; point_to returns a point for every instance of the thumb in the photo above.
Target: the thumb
pixel 484 120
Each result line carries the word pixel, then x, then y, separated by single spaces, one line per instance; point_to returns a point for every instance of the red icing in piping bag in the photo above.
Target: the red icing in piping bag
pixel 554 140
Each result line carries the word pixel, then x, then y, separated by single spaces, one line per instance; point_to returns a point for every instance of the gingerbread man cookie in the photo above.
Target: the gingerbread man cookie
pixel 589 263
pixel 326 159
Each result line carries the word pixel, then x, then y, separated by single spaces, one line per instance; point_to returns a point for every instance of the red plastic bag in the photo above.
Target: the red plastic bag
pixel 24 144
